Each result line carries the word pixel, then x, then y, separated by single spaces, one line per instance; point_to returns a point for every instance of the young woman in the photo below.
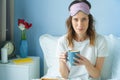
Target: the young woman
pixel 81 36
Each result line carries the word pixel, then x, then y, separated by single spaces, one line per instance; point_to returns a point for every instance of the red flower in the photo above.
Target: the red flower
pixel 26 24
pixel 20 21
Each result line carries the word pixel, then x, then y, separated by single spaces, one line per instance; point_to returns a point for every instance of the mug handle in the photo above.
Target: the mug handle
pixel 67 58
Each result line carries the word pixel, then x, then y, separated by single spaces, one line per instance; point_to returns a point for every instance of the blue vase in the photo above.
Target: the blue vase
pixel 23 49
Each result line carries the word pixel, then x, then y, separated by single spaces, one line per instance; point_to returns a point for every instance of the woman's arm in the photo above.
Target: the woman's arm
pixel 93 70
pixel 63 66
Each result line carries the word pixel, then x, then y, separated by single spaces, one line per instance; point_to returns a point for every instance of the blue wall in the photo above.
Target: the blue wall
pixel 107 16
pixel 49 16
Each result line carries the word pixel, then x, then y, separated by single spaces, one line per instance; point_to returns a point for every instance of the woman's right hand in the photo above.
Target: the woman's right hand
pixel 63 57
pixel 63 66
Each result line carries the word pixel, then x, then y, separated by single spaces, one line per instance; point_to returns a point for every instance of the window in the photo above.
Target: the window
pixel 6 19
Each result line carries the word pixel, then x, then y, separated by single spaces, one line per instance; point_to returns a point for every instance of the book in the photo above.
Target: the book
pixel 22 60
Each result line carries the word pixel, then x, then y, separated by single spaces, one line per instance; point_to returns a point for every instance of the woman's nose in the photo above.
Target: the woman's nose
pixel 79 23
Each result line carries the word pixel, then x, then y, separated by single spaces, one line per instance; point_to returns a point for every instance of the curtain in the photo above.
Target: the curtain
pixel 6 20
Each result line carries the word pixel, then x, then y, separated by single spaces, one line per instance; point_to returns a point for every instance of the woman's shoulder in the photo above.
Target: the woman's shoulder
pixel 62 38
pixel 99 37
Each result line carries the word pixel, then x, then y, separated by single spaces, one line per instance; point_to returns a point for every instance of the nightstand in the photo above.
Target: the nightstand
pixel 27 71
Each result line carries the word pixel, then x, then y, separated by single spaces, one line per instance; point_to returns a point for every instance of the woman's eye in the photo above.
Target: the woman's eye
pixel 75 19
pixel 84 19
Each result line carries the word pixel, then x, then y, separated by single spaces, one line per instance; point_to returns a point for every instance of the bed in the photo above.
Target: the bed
pixel 111 67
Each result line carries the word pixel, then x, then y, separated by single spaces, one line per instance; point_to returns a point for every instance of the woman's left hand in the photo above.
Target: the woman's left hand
pixel 93 70
pixel 81 60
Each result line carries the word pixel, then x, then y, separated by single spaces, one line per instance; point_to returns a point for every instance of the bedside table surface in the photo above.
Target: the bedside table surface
pixel 25 71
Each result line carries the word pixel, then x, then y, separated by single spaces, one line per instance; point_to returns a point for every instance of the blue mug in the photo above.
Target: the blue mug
pixel 71 55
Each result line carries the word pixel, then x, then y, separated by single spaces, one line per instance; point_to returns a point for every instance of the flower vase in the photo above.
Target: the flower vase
pixel 23 45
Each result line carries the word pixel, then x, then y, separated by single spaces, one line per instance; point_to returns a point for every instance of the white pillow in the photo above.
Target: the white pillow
pixel 49 44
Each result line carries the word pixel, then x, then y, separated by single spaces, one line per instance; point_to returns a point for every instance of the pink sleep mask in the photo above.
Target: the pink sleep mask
pixel 75 8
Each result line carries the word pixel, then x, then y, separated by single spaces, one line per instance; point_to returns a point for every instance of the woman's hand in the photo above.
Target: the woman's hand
pixel 81 60
pixel 93 70
pixel 63 57
pixel 63 66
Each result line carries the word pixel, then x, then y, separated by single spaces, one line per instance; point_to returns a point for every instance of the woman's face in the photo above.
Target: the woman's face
pixel 80 23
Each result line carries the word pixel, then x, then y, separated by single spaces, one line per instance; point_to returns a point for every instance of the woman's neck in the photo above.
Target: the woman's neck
pixel 81 38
